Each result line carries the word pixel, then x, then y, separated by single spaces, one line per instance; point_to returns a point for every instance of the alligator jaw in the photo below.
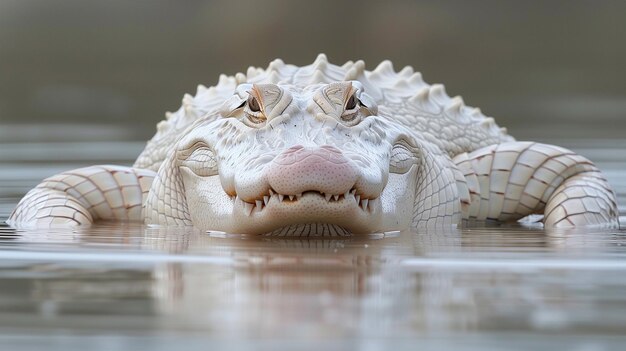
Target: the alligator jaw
pixel 349 212
pixel 273 199
pixel 212 208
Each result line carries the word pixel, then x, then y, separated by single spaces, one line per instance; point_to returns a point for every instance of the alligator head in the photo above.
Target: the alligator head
pixel 284 159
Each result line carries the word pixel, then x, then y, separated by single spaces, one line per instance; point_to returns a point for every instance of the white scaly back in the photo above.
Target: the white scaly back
pixel 402 96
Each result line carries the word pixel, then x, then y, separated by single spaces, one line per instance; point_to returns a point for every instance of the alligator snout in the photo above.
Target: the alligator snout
pixel 323 169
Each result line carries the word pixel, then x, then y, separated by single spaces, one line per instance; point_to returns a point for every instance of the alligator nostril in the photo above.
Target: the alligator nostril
pixel 324 169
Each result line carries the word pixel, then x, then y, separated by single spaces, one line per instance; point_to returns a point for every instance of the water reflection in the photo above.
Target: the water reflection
pixel 117 278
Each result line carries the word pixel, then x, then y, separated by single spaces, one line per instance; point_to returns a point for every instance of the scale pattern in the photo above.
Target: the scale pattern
pixel 166 203
pixel 438 197
pixel 509 181
pixel 84 195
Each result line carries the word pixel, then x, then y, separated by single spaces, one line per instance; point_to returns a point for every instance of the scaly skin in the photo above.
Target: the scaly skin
pixel 328 150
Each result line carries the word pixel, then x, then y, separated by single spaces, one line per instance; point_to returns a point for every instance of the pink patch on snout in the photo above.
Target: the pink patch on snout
pixel 323 169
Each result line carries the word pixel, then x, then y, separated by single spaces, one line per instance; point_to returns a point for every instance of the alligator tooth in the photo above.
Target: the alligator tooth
pixel 266 199
pixel 352 191
pixel 291 197
pixel 358 198
pixel 271 192
pixel 345 196
pixel 259 204
pixel 328 196
pixel 364 203
pixel 336 197
pixel 298 196
pixel 247 208
pixel 281 197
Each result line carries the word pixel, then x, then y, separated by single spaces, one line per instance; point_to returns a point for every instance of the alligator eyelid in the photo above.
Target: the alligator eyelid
pixel 349 117
pixel 253 104
pixel 361 103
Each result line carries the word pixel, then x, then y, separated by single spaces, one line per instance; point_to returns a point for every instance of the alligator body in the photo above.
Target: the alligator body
pixel 327 150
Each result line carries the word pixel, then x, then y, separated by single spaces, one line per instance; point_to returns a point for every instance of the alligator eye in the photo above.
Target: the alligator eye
pixel 253 104
pixel 351 104
pixel 254 115
pixel 351 114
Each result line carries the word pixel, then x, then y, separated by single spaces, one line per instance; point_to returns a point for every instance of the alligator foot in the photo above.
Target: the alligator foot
pixel 512 180
pixel 84 195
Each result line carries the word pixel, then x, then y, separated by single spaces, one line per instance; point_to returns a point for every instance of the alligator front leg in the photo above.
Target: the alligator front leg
pixel 84 195
pixel 509 181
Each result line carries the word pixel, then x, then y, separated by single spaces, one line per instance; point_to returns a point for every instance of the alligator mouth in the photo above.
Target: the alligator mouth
pixel 352 208
pixel 274 198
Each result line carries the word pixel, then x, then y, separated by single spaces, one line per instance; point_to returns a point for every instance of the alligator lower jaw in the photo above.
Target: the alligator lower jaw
pixel 342 216
pixel 310 230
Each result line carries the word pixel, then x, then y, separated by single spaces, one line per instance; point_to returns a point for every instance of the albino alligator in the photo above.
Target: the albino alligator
pixel 328 150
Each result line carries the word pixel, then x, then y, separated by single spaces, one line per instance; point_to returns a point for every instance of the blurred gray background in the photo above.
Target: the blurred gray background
pixel 544 69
